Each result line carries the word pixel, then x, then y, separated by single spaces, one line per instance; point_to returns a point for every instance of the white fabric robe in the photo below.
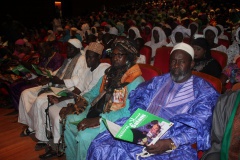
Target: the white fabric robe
pixel 86 83
pixel 31 105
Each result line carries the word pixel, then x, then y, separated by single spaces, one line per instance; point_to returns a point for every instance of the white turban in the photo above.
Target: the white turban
pixel 185 47
pixel 75 42
pixel 214 29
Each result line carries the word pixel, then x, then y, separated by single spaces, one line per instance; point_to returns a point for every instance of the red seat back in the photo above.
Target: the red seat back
pixel 221 57
pixel 147 51
pixel 62 47
pixel 105 60
pixel 149 71
pixel 162 57
pixel 217 84
pixel 224 42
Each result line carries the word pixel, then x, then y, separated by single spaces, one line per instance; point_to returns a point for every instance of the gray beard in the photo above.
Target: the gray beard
pixel 177 78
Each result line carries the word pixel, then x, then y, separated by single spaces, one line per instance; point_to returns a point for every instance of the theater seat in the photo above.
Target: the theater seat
pixel 224 42
pixel 105 60
pixel 221 57
pixel 162 57
pixel 217 84
pixel 149 71
pixel 147 51
pixel 236 87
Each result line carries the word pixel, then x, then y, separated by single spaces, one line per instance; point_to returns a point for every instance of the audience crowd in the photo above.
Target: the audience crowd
pixel 91 57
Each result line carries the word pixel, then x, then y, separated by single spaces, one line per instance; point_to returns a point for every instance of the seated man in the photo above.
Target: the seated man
pixel 225 130
pixel 180 97
pixel 32 98
pixel 122 77
pixel 87 80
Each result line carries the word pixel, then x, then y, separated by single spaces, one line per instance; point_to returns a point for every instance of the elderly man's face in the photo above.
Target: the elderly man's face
pixel 180 66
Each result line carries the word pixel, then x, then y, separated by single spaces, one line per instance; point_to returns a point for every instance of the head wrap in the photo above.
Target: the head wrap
pixel 95 47
pixel 215 31
pixel 20 42
pixel 114 31
pixel 136 31
pixel 203 43
pixel 120 27
pixel 237 35
pixel 186 32
pixel 221 28
pixel 149 25
pixel 51 36
pixel 104 24
pixel 75 42
pixel 74 29
pixel 85 27
pixel 162 35
pixel 59 29
pixel 127 45
pixel 194 23
pixel 185 47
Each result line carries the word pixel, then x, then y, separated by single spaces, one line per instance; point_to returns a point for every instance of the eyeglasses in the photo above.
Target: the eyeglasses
pixel 120 55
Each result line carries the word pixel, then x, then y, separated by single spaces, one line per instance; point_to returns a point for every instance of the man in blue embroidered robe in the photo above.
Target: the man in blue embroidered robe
pixel 180 97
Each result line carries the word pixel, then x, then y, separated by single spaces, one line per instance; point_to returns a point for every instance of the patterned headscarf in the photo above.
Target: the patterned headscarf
pixel 127 45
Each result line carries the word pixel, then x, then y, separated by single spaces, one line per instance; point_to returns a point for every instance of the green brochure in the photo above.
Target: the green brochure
pixel 141 128
pixel 39 72
pixel 20 68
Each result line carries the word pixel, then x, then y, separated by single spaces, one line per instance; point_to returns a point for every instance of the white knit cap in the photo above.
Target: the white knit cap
pixel 185 47
pixel 75 42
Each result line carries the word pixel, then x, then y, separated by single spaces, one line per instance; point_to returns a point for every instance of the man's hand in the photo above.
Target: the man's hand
pixel 66 111
pixel 160 146
pixel 53 99
pixel 42 80
pixel 76 91
pixel 87 123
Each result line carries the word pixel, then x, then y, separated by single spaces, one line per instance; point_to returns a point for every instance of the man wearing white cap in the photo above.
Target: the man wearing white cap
pixel 34 101
pixel 180 97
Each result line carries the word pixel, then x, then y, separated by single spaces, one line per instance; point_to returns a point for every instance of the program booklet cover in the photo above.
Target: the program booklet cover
pixel 62 92
pixel 141 128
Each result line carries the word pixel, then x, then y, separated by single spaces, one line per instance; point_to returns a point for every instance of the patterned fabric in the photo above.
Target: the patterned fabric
pixel 234 150
pixel 232 51
pixel 191 126
pixel 233 72
pixel 70 67
pixel 231 135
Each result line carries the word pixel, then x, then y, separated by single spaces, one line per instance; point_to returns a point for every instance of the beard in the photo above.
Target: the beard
pixel 177 74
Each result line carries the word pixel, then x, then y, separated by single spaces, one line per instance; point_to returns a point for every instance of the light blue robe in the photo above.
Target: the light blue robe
pixel 77 142
pixel 191 126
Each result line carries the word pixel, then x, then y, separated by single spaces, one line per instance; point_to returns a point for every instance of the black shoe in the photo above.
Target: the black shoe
pixel 26 132
pixel 49 154
pixel 40 145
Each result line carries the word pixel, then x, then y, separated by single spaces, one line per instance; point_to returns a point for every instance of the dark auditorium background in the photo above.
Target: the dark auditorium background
pixel 32 12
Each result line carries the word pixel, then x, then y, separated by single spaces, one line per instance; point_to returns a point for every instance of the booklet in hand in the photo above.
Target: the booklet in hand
pixel 63 92
pixel 20 69
pixel 39 72
pixel 141 128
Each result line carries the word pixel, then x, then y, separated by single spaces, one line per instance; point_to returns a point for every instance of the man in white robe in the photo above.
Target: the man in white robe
pixel 88 80
pixel 30 100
